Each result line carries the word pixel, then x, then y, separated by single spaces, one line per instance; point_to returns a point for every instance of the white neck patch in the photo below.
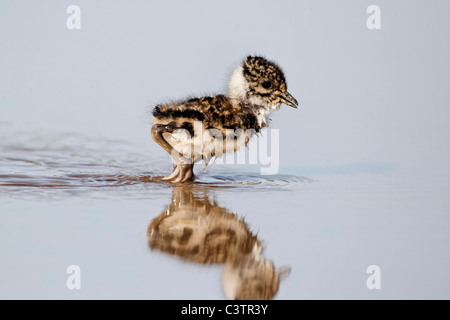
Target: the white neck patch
pixel 238 86
pixel 263 116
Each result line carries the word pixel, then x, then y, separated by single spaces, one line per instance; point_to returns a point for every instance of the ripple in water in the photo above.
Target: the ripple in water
pixel 55 161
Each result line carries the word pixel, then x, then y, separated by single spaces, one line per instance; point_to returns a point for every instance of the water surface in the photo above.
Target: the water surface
pixel 68 199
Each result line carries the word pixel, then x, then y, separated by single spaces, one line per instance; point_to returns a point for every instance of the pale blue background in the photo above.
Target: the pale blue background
pixel 372 128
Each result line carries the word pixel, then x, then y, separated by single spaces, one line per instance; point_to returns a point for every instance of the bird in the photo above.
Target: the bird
pixel 201 128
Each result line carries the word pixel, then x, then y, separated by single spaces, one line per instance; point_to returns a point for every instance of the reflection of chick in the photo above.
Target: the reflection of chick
pixel 257 87
pixel 252 278
pixel 195 229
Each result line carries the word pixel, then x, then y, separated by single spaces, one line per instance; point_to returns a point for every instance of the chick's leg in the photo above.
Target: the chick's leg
pixel 183 169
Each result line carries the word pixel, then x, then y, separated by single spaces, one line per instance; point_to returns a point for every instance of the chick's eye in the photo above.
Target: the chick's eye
pixel 266 84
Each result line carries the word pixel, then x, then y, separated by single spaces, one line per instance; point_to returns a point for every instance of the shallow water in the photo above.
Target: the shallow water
pixel 68 199
pixel 71 163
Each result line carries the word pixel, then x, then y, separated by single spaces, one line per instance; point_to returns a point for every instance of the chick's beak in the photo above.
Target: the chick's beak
pixel 289 100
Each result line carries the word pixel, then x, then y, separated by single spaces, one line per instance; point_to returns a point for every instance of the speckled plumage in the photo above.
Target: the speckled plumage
pixel 215 112
pixel 256 88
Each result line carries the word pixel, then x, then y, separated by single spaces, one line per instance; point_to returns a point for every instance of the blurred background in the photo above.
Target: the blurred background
pixel 366 96
pixel 367 153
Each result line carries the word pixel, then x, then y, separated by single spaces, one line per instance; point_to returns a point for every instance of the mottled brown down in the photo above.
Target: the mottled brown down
pixel 257 87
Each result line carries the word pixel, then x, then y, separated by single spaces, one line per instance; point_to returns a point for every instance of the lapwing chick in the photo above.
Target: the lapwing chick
pixel 202 128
